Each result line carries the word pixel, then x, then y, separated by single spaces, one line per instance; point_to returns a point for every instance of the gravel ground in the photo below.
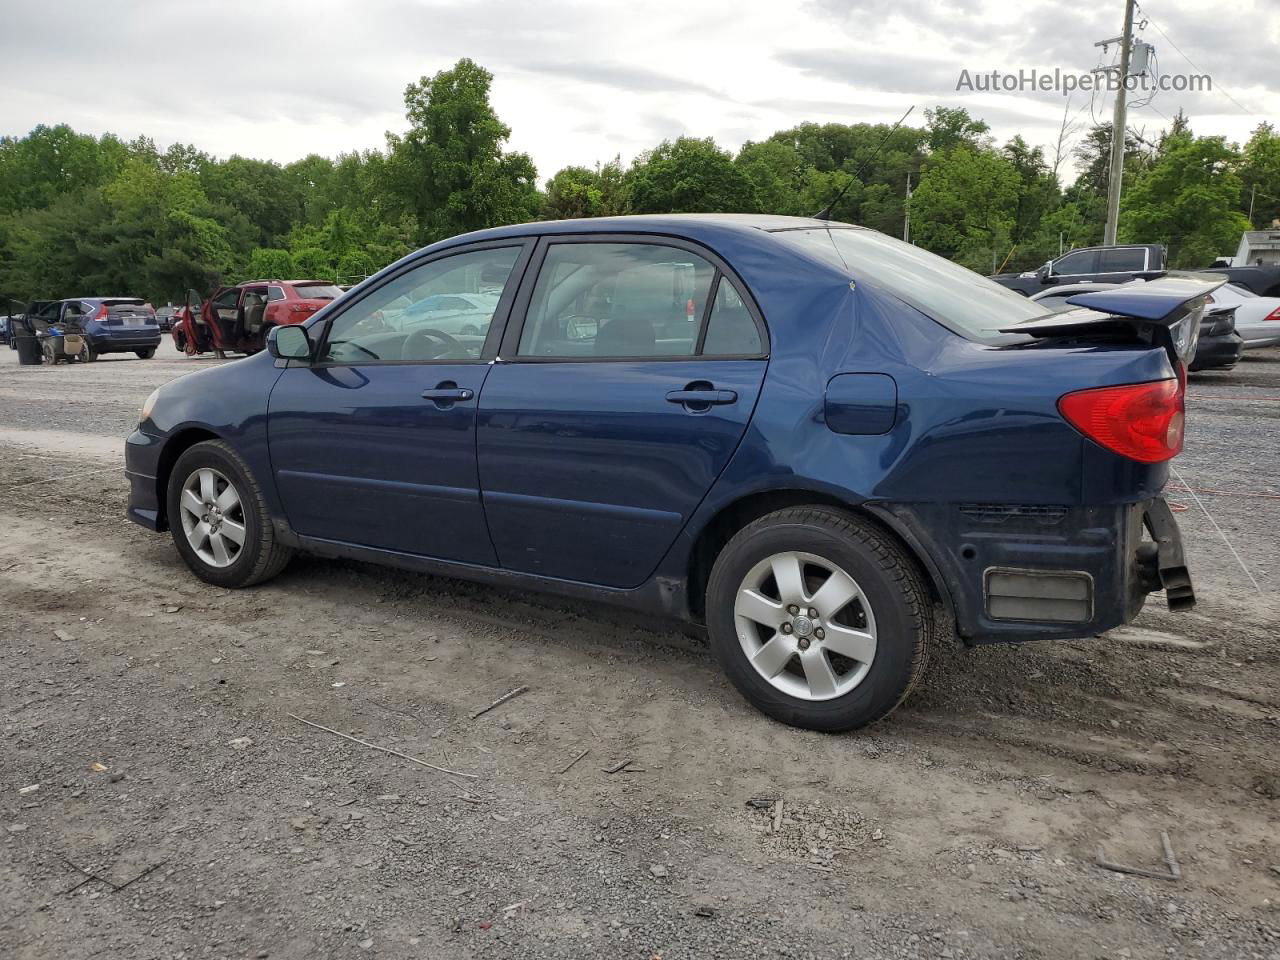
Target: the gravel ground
pixel 180 810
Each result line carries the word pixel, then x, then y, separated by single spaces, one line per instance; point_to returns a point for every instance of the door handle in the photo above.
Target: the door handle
pixel 447 393
pixel 702 397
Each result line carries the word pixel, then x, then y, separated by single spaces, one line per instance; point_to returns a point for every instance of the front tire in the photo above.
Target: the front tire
pixel 819 618
pixel 218 518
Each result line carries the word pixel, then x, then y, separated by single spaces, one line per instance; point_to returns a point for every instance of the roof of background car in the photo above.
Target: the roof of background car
pixel 254 283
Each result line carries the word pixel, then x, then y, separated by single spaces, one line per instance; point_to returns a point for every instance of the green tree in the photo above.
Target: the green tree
pixel 1188 201
pixel 1260 176
pixel 450 168
pixel 777 174
pixel 583 192
pixel 965 207
pixel 50 162
pixel 689 175
pixel 951 127
pixel 266 263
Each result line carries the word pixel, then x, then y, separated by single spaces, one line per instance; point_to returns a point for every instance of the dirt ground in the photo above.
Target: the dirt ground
pixel 159 797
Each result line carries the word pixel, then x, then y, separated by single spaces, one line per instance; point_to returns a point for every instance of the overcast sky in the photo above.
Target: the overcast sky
pixel 579 82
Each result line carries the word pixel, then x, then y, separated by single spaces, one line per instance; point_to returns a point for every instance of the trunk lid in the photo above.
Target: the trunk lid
pixel 1165 312
pixel 128 313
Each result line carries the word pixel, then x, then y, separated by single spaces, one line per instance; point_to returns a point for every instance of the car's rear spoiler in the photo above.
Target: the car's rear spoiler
pixel 1169 309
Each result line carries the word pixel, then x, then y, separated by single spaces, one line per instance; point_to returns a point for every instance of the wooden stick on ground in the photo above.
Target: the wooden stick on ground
pixel 1174 873
pixel 500 701
pixel 374 746
pixel 570 764
pixel 777 815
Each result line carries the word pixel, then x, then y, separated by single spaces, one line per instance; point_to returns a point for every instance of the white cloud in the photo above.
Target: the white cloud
pixel 579 81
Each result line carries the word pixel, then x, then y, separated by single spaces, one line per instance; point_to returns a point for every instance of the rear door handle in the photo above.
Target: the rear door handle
pixel 702 396
pixel 447 393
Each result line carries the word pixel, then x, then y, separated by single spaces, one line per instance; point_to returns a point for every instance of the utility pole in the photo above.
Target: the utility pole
pixel 1117 130
pixel 906 213
pixel 1253 195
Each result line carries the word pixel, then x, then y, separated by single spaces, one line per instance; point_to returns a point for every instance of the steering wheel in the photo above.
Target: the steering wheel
pixel 411 343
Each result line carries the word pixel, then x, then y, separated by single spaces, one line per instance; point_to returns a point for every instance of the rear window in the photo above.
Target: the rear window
pixel 318 291
pixel 128 307
pixel 964 302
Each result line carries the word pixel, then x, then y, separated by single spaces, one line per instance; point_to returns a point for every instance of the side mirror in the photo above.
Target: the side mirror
pixel 289 343
pixel 1045 272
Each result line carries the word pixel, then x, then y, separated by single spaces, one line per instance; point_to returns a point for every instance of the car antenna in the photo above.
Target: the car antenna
pixel 825 212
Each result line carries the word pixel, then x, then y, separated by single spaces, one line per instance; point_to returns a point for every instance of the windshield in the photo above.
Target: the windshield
pixel 963 301
pixel 318 291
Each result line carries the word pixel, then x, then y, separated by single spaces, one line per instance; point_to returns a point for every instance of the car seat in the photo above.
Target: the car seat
pixel 255 306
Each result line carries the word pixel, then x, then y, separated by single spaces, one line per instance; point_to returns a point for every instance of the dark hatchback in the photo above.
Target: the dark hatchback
pixel 829 447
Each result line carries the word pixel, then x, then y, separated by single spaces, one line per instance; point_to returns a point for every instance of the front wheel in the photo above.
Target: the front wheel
pixel 146 354
pixel 218 518
pixel 819 618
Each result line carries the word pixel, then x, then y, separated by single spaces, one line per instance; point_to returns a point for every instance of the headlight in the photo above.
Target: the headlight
pixel 149 404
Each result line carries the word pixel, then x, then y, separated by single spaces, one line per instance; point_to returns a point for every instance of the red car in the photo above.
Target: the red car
pixel 236 319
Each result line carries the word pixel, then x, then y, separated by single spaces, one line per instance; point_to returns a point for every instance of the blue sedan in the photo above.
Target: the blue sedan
pixel 830 448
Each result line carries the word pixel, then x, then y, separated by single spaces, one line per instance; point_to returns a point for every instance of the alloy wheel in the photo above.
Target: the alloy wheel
pixel 212 517
pixel 805 626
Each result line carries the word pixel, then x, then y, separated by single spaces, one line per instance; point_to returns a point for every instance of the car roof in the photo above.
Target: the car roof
pixel 254 283
pixel 678 224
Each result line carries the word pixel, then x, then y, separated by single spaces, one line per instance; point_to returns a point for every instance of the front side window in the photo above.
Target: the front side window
pixel 400 321
pixel 616 300
pixel 1086 261
pixel 227 303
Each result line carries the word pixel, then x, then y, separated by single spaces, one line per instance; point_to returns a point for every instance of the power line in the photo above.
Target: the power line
pixel 1146 16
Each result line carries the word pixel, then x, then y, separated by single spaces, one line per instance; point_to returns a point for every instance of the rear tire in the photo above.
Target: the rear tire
pixel 836 664
pixel 146 354
pixel 87 354
pixel 228 506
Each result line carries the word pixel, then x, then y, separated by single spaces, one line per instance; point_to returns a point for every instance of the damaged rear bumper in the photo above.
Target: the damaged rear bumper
pixel 1017 572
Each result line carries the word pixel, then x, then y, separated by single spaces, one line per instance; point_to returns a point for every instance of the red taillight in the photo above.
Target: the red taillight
pixel 1142 421
pixel 102 312
pixel 1273 315
pixel 688 310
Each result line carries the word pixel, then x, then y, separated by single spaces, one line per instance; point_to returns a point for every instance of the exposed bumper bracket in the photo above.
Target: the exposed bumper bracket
pixel 1167 567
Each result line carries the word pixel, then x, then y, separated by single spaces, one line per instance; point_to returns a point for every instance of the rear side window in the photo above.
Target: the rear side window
pixel 617 300
pixel 731 330
pixel 1128 260
pixel 274 294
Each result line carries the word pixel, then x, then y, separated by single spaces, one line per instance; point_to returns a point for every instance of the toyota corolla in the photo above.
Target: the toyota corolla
pixel 829 448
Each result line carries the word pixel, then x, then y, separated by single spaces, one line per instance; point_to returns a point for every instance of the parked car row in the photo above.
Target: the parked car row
pixel 1125 262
